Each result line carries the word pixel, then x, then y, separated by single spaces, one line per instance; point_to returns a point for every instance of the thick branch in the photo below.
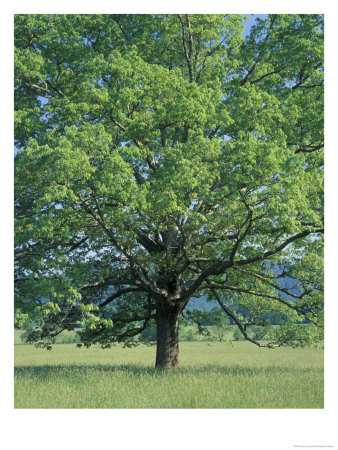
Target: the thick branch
pixel 117 295
pixel 251 292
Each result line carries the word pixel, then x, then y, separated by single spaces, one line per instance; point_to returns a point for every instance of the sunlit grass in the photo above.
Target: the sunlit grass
pixel 210 376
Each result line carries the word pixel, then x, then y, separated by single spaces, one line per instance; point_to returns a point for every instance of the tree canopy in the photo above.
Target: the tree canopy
pixel 165 157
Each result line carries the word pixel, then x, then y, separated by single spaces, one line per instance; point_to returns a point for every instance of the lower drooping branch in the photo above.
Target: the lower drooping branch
pixel 230 314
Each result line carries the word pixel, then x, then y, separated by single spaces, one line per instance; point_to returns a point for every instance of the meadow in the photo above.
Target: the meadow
pixel 211 375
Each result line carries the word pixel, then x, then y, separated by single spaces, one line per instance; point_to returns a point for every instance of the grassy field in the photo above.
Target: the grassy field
pixel 214 375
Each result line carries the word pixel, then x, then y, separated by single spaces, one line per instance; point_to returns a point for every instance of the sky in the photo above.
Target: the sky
pixel 252 19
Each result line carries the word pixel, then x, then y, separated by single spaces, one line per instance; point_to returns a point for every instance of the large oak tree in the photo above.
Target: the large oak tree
pixel 165 157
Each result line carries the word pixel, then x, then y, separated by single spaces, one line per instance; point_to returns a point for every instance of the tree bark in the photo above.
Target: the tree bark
pixel 167 351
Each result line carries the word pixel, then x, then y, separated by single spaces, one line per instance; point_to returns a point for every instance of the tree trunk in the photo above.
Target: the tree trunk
pixel 167 339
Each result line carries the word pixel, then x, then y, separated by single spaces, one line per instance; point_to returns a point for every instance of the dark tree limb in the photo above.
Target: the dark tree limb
pixel 232 315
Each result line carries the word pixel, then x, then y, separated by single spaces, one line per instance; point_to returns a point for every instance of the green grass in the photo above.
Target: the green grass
pixel 210 376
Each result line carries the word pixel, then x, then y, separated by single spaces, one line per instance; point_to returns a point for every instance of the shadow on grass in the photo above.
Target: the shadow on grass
pixel 45 372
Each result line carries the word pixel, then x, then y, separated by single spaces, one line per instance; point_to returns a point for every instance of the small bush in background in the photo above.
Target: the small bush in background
pixel 238 336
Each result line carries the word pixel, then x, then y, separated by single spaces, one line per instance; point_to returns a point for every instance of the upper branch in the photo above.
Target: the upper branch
pixel 261 52
pixel 186 54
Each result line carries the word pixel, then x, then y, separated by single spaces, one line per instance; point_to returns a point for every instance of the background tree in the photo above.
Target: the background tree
pixel 164 157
